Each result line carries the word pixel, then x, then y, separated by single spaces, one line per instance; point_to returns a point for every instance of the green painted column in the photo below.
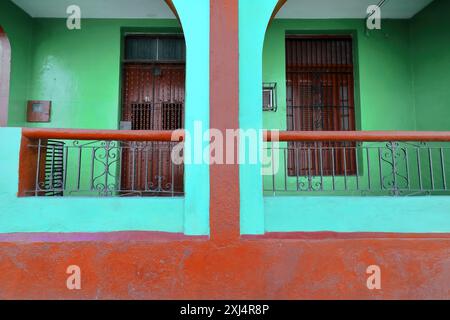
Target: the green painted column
pixel 254 16
pixel 194 16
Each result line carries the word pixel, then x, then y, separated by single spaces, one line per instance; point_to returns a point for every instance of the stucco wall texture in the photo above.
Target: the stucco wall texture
pixel 246 269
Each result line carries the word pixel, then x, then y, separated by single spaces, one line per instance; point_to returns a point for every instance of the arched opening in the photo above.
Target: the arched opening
pixel 316 56
pixel 5 68
pixel 84 85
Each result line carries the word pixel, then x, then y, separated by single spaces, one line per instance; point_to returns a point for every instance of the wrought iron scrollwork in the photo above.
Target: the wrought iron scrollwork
pixel 394 155
pixel 310 183
pixel 106 155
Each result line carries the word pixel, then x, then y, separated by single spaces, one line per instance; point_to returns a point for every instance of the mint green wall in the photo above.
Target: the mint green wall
pixel 430 34
pixel 79 71
pixel 430 51
pixel 18 26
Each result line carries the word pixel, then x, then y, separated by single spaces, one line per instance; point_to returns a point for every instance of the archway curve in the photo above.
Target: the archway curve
pixel 172 7
pixel 277 8
pixel 5 69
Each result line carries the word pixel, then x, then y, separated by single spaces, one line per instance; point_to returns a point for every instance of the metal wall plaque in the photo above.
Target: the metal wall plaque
pixel 38 111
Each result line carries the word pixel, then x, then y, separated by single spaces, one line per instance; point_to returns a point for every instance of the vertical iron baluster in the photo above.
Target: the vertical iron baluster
pixel 133 156
pixel 344 151
pixel 146 168
pixel 332 169
pixel 273 169
pixel 380 167
pixel 80 151
pixel 369 186
pixel 419 165
pixel 94 151
pixel 430 158
pixel 297 165
pixel 285 171
pixel 321 167
pixel 394 167
pixel 160 188
pixel 309 170
pixel 408 180
pixel 66 159
pixel 36 187
pixel 138 166
pixel 444 179
pixel 356 167
pixel 172 169
pixel 52 170
pixel 119 169
pixel 107 164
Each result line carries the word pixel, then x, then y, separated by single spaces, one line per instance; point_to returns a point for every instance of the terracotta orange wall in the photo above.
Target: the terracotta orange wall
pixel 246 269
pixel 224 114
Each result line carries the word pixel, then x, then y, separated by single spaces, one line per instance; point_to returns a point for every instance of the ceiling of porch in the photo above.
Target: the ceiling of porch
pixel 306 9
pixel 102 9
pixel 339 9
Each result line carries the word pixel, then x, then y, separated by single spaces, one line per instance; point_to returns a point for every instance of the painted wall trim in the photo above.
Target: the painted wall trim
pixel 109 237
pixel 329 235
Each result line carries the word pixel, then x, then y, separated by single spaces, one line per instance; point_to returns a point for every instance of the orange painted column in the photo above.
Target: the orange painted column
pixel 224 114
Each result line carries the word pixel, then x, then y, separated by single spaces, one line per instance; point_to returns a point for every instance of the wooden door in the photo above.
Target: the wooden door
pixel 320 97
pixel 153 99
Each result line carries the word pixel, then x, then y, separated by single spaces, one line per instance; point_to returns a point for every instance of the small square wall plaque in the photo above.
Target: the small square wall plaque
pixel 39 111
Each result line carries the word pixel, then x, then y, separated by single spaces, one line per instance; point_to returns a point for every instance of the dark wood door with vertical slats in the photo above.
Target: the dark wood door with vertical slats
pixel 320 97
pixel 153 99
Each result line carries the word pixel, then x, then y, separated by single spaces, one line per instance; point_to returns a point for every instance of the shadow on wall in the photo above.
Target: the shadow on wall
pixel 5 66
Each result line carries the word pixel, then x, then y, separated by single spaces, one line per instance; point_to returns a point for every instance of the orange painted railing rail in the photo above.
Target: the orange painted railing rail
pixel 161 135
pixel 122 135
pixel 362 136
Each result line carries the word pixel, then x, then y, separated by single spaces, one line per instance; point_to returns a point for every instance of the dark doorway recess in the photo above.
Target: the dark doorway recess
pixel 320 97
pixel 153 96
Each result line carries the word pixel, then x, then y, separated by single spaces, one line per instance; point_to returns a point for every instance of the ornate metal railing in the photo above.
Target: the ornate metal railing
pixel 357 163
pixel 135 163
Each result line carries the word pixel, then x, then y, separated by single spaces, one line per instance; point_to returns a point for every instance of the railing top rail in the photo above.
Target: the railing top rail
pixel 360 136
pixel 122 135
pixel 269 135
